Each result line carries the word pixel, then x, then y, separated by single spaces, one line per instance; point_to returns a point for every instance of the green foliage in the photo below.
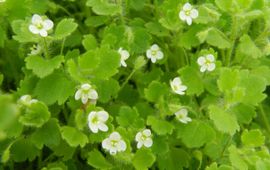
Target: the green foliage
pixel 215 118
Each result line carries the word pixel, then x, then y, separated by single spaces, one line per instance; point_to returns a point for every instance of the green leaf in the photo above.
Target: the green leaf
pixel 128 117
pixel 252 138
pixel 225 5
pixel 161 127
pixel 97 160
pixel 43 67
pixel 138 39
pixel 214 166
pixel 215 38
pixel 102 62
pixel 22 32
pixel 64 28
pixel 224 121
pixel 195 134
pixel 143 159
pixel 189 39
pixel 19 148
pixel 225 82
pixel 35 115
pixel 73 136
pixel 244 113
pixel 248 48
pixel 57 85
pixel 236 158
pixel 155 91
pixel 89 42
pixel 101 7
pixel 191 78
pixel 48 134
pixel 207 13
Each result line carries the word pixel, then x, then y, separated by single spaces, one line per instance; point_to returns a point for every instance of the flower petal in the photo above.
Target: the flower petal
pixel 182 15
pixel 154 47
pixel 103 115
pixel 84 99
pixel 78 94
pixel 86 86
pixel 106 144
pixel 138 136
pixel 211 67
pixel 139 145
pixel 189 20
pixel 149 54
pixel 121 146
pixel 210 57
pixel 48 24
pixel 203 68
pixel 153 59
pixel 115 136
pixel 147 132
pixel 33 29
pixel 159 55
pixel 43 33
pixel 103 127
pixel 92 94
pixel 93 127
pixel 194 13
pixel 201 60
pixel 36 19
pixel 187 6
pixel 148 142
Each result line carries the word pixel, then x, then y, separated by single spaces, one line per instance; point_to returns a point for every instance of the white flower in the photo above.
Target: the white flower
pixel 177 86
pixel 182 116
pixel 188 13
pixel 86 92
pixel 154 53
pixel 114 143
pixel 207 63
pixel 144 138
pixel 27 100
pixel 97 120
pixel 124 56
pixel 35 50
pixel 40 26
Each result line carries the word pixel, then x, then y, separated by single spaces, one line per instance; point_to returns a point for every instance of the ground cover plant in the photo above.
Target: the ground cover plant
pixel 134 84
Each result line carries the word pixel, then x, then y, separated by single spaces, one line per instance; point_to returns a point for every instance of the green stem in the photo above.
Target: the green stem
pixel 46 48
pixel 62 46
pixel 122 14
pixel 233 38
pixel 127 79
pixel 264 117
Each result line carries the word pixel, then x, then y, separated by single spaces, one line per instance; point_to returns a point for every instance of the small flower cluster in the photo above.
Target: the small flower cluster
pixel 40 25
pixel 85 93
pixel 26 100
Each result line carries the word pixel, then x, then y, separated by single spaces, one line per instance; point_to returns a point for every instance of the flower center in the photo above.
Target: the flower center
pixel 207 62
pixel 39 25
pixel 143 138
pixel 154 52
pixel 175 87
pixel 114 143
pixel 95 120
pixel 180 116
pixel 187 12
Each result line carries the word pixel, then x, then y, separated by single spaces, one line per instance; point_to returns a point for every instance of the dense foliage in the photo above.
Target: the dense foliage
pixel 134 84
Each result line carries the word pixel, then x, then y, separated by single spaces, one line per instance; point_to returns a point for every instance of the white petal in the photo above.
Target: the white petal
pixel 182 87
pixel 36 19
pixel 201 60
pixel 187 6
pixel 103 127
pixel 93 94
pixel 121 146
pixel 43 33
pixel 106 143
pixel 86 86
pixel 180 92
pixel 33 29
pixel 93 127
pixel 159 55
pixel 210 57
pixel 138 136
pixel 78 94
pixel 182 15
pixel 148 142
pixel 48 24
pixel 177 81
pixel 189 20
pixel 123 63
pixel 33 101
pixel 194 13
pixel 124 54
pixel 113 151
pixel 103 115
pixel 153 60
pixel 84 99
pixel 91 115
pixel 203 68
pixel 147 132
pixel 115 136
pixel 139 145
pixel 184 112
pixel 211 67
pixel 154 47
pixel 149 54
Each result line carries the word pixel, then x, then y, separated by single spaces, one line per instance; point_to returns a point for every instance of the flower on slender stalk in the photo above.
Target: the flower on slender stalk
pixel 97 121
pixel 182 116
pixel 40 26
pixel 177 86
pixel 86 92
pixel 207 63
pixel 27 100
pixel 114 143
pixel 188 13
pixel 124 56
pixel 154 53
pixel 143 138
